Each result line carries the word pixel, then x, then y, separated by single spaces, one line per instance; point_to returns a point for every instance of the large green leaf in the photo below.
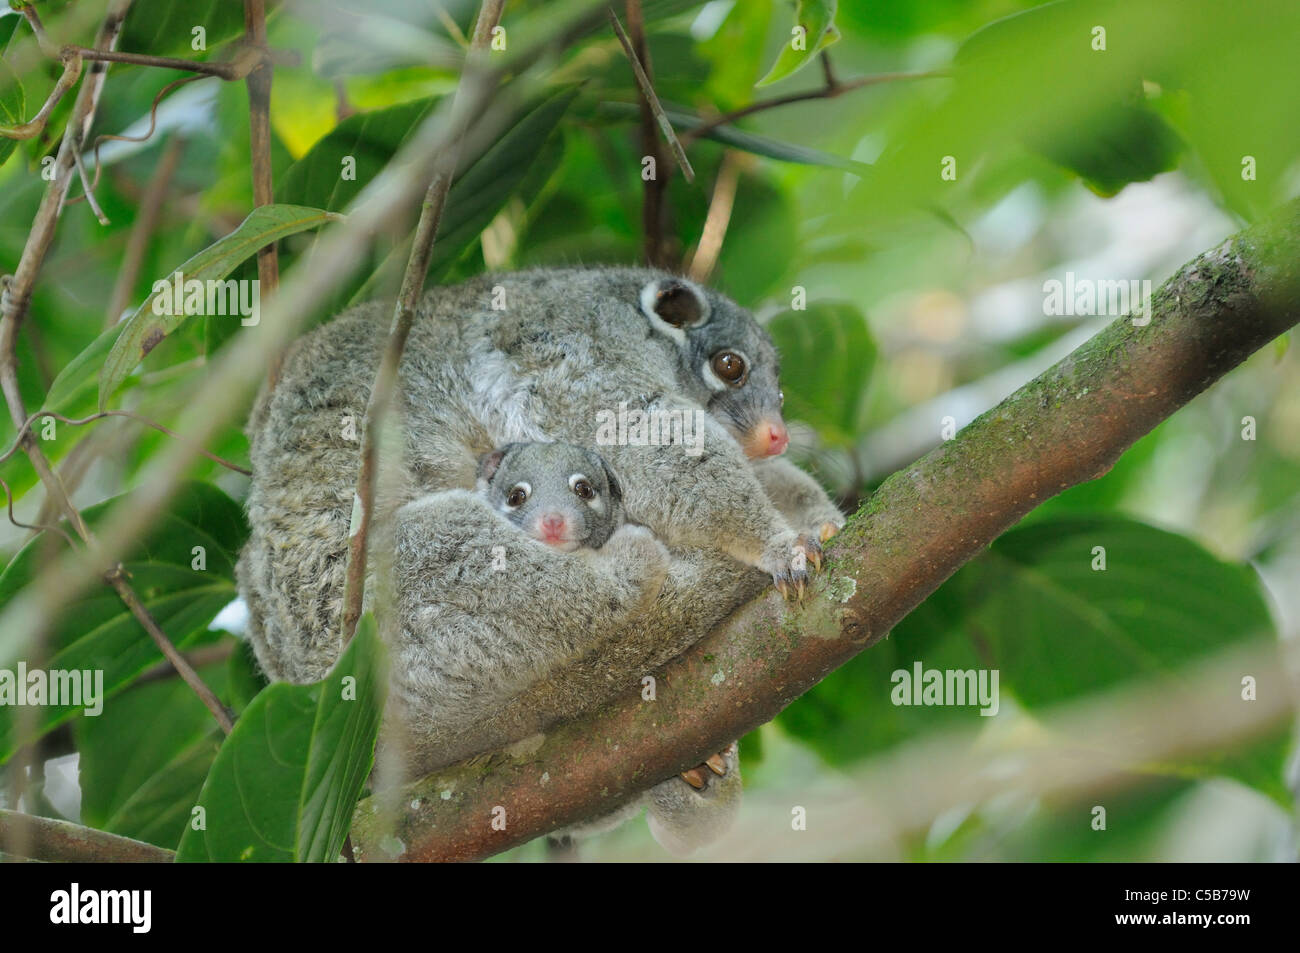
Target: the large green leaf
pixel 816 19
pixel 479 192
pixel 144 760
pixel 359 146
pixel 1056 629
pixel 1109 142
pixel 141 332
pixel 166 27
pixel 284 785
pixel 98 634
pixel 827 356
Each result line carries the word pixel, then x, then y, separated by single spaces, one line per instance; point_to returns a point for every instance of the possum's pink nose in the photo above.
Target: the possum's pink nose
pixel 552 526
pixel 770 438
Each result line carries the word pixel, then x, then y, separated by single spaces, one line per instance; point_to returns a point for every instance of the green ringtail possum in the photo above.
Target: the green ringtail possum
pixel 583 356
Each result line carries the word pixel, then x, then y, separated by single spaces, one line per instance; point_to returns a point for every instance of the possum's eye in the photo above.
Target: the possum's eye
pixel 518 495
pixel 582 487
pixel 781 397
pixel 675 302
pixel 730 367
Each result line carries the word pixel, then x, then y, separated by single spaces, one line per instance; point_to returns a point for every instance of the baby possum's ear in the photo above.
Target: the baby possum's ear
pixel 490 462
pixel 615 491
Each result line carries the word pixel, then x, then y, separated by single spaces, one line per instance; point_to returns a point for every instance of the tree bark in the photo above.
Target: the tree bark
pixel 1067 426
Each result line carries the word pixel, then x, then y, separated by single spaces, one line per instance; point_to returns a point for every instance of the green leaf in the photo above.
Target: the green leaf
pixel 684 120
pixel 815 19
pixel 13 106
pixel 165 27
pixel 79 376
pixel 1161 602
pixel 361 146
pixel 141 332
pixel 98 633
pixel 1091 116
pixel 285 783
pixel 827 356
pixel 479 192
pixel 1056 629
pixel 143 761
pixel 244 678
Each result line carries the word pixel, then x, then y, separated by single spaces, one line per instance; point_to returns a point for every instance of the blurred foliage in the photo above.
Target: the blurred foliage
pixel 894 237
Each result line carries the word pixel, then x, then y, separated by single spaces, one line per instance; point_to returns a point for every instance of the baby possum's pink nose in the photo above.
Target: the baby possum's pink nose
pixel 552 526
pixel 770 439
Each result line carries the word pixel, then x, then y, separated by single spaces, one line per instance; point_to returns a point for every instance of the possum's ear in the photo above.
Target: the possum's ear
pixel 674 302
pixel 615 491
pixel 490 462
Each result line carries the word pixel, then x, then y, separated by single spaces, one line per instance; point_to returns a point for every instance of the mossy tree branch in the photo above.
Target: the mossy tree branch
pixel 53 841
pixel 1067 426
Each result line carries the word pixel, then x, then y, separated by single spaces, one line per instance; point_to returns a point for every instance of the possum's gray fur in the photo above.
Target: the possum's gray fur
pixel 528 357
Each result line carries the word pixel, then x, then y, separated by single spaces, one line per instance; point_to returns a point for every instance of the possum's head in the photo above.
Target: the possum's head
pixel 560 494
pixel 727 361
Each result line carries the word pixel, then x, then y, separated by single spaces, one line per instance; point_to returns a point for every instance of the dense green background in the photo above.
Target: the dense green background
pixel 924 301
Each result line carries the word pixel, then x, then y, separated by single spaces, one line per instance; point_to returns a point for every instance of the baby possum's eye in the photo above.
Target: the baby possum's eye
pixel 518 495
pixel 730 367
pixel 582 487
pixel 780 394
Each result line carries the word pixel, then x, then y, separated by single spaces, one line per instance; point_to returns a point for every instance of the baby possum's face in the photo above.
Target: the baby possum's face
pixel 559 494
pixel 727 359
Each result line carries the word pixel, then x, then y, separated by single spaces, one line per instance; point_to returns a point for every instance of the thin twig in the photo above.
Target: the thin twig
pixel 146 220
pixel 35 527
pixel 72 469
pixel 116 577
pixel 417 267
pixel 652 100
pixel 34 126
pixel 831 90
pixel 79 421
pixel 451 26
pixel 87 190
pixel 246 61
pixel 197 658
pixel 706 254
pixel 259 125
pixel 48 47
pixel 653 188
pixel 153 124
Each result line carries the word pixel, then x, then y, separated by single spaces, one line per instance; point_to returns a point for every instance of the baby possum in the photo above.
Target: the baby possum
pixel 509 584
pixel 500 586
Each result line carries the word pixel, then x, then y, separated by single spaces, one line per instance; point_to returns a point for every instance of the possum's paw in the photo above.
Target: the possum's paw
pixel 699 805
pixel 788 562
